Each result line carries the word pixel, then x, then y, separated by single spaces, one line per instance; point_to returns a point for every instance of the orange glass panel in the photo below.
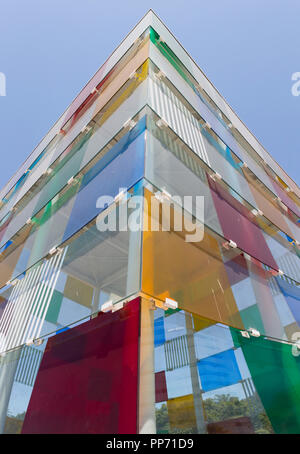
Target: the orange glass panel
pixel 127 90
pixel 201 323
pixel 192 273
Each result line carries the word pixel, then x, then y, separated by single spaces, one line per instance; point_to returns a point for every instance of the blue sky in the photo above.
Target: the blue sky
pixel 249 49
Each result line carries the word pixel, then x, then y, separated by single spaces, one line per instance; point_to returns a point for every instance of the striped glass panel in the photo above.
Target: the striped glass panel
pixel 23 317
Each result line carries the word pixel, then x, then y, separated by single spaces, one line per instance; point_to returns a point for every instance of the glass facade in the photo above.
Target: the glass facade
pixel 149 263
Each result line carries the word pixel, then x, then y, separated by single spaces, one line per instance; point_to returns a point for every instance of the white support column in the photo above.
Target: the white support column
pixel 146 423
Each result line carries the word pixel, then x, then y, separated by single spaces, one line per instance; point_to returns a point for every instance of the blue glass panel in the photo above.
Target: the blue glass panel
pixel 225 153
pixel 5 246
pixel 36 160
pixel 290 240
pixel 123 172
pixel 119 148
pixel 218 370
pixel 219 129
pixel 292 296
pixel 62 330
pixel 159 332
pixel 67 168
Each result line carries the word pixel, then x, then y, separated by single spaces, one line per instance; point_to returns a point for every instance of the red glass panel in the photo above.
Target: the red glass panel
pixel 88 378
pixel 236 269
pixel 237 226
pixel 285 198
pixel 161 393
pixel 85 93
pixel 241 425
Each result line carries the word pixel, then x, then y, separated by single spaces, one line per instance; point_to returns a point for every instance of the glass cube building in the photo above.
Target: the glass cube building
pixel 123 310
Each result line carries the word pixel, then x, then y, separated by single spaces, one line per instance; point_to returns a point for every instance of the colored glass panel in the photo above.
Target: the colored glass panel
pixel 218 370
pixel 159 331
pixel 270 211
pixel 285 199
pixel 123 172
pixel 222 398
pixel 241 425
pixel 54 307
pixel 161 393
pixel 192 273
pixel 78 291
pixel 238 228
pixel 201 323
pixel 275 372
pixel 252 318
pixel 81 379
pixel 292 295
pixel 181 412
pixel 66 169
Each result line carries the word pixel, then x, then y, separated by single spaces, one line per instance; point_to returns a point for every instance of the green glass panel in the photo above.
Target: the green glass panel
pixel 54 307
pixel 171 311
pixel 67 167
pixel 275 372
pixel 252 319
pixel 169 55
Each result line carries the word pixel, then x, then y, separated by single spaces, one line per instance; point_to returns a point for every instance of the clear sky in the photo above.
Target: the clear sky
pixel 249 49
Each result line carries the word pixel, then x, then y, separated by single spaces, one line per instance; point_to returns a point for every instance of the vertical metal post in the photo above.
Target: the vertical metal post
pixel 146 422
pixel 197 393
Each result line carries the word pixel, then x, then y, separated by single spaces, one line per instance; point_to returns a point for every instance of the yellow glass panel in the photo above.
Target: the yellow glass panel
pixel 112 86
pixel 181 411
pixel 9 260
pixel 78 291
pixel 112 106
pixel 201 323
pixel 291 329
pixel 282 182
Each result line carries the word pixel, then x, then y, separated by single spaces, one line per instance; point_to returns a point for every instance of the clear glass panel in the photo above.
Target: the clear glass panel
pixel 18 371
pixel 291 293
pixel 170 167
pixel 169 104
pixel 96 266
